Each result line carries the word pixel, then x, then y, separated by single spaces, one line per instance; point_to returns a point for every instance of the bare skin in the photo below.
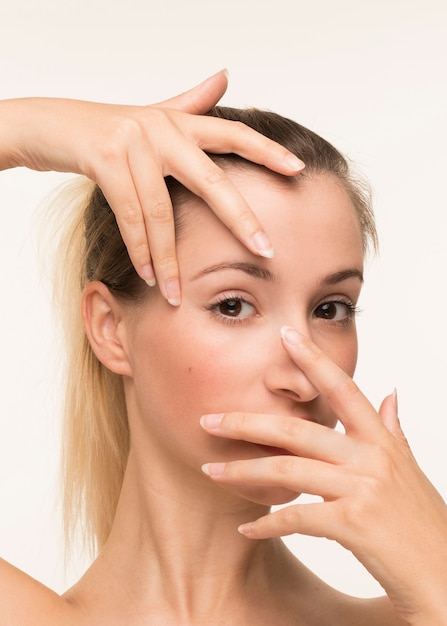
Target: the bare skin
pixel 174 556
pixel 127 151
pixel 224 580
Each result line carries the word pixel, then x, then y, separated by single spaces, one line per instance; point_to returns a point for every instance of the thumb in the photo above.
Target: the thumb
pixel 201 98
pixel 389 414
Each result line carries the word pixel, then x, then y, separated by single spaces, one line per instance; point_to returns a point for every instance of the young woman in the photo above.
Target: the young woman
pixel 186 423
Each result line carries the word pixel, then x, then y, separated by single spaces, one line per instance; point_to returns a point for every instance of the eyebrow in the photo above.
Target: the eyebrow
pixel 249 268
pixel 264 274
pixel 339 277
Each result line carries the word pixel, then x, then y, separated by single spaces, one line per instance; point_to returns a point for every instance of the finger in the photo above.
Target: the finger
pixel 290 472
pixel 388 413
pixel 208 181
pixel 158 221
pixel 315 519
pixel 351 407
pixel 297 435
pixel 220 136
pixel 120 192
pixel 201 98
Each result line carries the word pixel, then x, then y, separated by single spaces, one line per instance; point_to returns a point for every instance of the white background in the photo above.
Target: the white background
pixel 369 76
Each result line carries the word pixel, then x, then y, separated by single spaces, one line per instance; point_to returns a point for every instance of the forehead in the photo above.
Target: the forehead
pixel 311 213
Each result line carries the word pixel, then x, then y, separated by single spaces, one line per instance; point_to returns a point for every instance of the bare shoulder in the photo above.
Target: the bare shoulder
pixel 26 602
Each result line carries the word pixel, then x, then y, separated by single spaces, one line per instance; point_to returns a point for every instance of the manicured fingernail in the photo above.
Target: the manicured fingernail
pixel 245 529
pixel 263 244
pixel 173 291
pixel 294 162
pixel 213 420
pixel 290 335
pixel 395 401
pixel 147 274
pixel 213 469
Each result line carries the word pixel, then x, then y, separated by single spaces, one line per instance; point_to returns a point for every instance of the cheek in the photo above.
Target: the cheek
pixel 343 352
pixel 347 357
pixel 185 374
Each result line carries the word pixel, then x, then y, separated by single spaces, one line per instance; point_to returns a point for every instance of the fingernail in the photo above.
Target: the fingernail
pixel 294 162
pixel 263 244
pixel 395 401
pixel 245 529
pixel 147 274
pixel 173 291
pixel 213 469
pixel 290 335
pixel 213 420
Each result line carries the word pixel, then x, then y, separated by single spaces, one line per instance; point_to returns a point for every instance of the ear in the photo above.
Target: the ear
pixel 105 328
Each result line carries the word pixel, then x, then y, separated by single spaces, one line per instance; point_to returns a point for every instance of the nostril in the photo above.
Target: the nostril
pixel 290 394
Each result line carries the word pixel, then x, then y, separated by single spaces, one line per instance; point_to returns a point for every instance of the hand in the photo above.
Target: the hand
pixel 376 500
pixel 128 150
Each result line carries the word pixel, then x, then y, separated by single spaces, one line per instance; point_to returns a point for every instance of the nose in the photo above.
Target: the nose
pixel 284 378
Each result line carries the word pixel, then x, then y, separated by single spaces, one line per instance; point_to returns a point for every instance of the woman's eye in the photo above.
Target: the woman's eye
pixel 235 308
pixel 335 311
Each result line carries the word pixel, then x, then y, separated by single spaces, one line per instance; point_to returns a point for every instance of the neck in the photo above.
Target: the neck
pixel 179 547
pixel 184 533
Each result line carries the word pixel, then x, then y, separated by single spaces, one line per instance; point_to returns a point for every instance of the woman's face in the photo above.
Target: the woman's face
pixel 220 351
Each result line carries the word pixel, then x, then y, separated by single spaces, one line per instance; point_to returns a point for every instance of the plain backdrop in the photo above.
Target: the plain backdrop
pixel 368 76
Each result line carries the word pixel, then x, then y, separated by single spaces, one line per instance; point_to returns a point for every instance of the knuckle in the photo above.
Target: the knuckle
pixel 383 465
pixel 154 117
pixel 235 470
pixel 131 215
pixel 368 491
pixel 125 131
pixel 128 127
pixel 291 428
pixel 240 423
pixel 214 175
pixel 285 465
pixel 140 250
pixel 239 130
pixel 367 498
pixel 245 220
pixel 352 515
pixel 290 517
pixel 245 217
pixel 160 212
pixel 166 262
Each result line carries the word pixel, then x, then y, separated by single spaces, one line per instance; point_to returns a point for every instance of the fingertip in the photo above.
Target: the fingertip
pixel 213 470
pixel 294 163
pixel 290 336
pixel 147 274
pixel 395 401
pixel 174 301
pixel 388 414
pixel 246 529
pixel 263 245
pixel 173 293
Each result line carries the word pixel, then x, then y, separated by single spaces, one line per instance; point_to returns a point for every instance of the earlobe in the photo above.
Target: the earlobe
pixel 103 323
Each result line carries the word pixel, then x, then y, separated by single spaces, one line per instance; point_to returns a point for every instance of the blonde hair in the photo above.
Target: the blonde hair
pixel 96 433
